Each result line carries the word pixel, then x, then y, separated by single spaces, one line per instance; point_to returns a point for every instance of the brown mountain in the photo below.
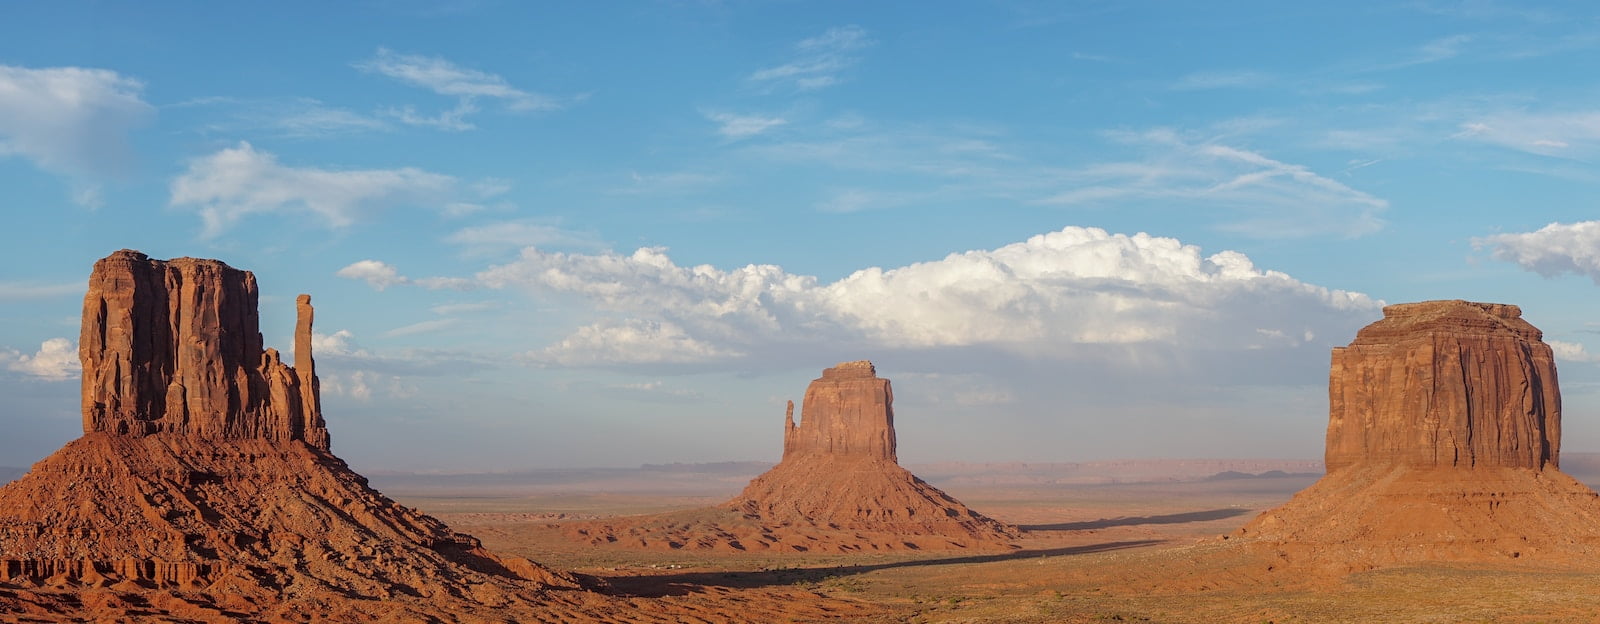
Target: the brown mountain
pixel 838 488
pixel 1444 434
pixel 203 487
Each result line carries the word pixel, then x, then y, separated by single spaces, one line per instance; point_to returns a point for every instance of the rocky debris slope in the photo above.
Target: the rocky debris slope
pixel 1443 438
pixel 837 489
pixel 203 488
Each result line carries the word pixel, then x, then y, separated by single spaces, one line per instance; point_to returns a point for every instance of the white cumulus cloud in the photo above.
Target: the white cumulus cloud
pixel 377 274
pixel 1552 250
pixel 1571 351
pixel 56 360
pixel 1037 298
pixel 240 181
pixel 70 120
pixel 634 341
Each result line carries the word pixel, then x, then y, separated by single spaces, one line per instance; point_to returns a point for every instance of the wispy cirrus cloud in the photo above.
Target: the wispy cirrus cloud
pixel 516 234
pixel 423 327
pixel 1272 198
pixel 17 291
pixel 1228 79
pixel 1560 134
pixel 1247 191
pixel 735 126
pixel 290 117
pixel 819 61
pixel 468 86
pixel 1432 51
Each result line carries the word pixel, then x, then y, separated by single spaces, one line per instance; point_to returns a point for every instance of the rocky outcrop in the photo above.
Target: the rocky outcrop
pixel 848 412
pixel 175 347
pixel 1444 429
pixel 204 470
pixel 1445 383
pixel 838 488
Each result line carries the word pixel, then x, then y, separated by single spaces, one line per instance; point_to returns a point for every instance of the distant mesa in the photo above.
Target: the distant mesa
pixel 203 488
pixel 839 470
pixel 1444 435
pixel 838 488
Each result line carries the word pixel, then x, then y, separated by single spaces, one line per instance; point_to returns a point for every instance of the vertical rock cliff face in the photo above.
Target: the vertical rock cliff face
pixel 175 347
pixel 848 412
pixel 1445 383
pixel 1444 429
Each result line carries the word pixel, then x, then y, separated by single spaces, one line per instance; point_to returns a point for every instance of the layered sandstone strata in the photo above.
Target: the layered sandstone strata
pixel 848 412
pixel 1444 431
pixel 1445 383
pixel 174 346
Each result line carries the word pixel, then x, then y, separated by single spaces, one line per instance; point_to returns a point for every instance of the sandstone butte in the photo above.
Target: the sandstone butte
pixel 1444 436
pixel 203 489
pixel 838 488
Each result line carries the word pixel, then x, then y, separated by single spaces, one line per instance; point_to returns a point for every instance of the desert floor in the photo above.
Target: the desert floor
pixel 1098 549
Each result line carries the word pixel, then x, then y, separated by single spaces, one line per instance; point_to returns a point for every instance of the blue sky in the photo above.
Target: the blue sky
pixel 574 234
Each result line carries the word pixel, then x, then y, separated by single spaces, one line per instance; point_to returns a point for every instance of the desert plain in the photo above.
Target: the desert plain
pixel 1089 529
pixel 1102 542
pixel 205 489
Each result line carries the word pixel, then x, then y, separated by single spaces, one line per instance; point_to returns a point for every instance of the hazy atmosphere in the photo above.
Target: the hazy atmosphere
pixel 603 235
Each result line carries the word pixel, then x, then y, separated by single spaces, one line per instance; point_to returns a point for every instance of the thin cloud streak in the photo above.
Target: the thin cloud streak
pixel 819 61
pixel 444 77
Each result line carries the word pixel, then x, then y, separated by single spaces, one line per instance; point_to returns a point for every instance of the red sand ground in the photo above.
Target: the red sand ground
pixel 1149 551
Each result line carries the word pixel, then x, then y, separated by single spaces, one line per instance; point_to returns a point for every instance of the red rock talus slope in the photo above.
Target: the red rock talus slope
pixel 203 488
pixel 838 488
pixel 1443 436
